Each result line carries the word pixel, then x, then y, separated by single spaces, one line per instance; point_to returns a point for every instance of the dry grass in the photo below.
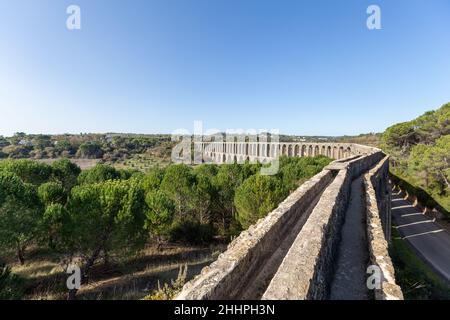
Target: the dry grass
pixel 122 279
pixel 82 163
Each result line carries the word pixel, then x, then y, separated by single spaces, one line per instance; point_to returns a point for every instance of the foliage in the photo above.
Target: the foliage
pixel 108 215
pixel 177 184
pixel 228 178
pixel 28 171
pixel 420 152
pixel 101 211
pixel 90 150
pixel 152 180
pixel 110 147
pixel 66 173
pixel 11 286
pixel 20 213
pixel 168 292
pixel 256 197
pixel 97 174
pixel 191 231
pixel 52 192
pixel 293 171
pixel 160 213
pixel 204 193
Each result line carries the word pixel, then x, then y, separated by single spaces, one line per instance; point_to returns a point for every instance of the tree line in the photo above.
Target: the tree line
pixel 109 147
pixel 104 212
pixel 420 153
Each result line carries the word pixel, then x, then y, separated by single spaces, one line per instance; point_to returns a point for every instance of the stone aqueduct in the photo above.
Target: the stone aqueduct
pixel 292 253
pixel 227 152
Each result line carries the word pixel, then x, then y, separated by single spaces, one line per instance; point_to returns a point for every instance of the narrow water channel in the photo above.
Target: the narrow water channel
pixel 349 281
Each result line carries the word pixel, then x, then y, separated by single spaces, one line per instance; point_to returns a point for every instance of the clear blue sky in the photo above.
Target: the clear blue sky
pixel 304 67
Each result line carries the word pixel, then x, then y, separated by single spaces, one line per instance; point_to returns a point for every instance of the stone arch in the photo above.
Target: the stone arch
pixel 316 151
pixel 268 150
pixel 224 158
pixel 283 150
pixel 310 151
pixel 297 150
pixel 348 152
pixel 303 152
pixel 274 149
pixel 329 152
pixel 290 150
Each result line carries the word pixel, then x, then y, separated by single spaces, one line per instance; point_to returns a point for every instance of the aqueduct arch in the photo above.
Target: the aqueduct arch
pixel 223 152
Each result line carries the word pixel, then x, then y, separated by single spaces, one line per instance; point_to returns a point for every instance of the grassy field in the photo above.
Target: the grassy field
pixel 417 280
pixel 141 162
pixel 131 278
pixel 84 164
pixel 157 156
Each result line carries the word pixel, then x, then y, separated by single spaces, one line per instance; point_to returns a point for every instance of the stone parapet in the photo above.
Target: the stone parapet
pixel 377 228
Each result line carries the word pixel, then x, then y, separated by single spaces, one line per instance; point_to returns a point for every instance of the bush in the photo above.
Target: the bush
pixel 168 292
pixel 256 197
pixel 29 171
pixel 191 231
pixel 97 174
pixel 90 150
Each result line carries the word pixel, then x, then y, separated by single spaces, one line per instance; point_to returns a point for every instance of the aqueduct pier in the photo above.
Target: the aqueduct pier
pixel 300 249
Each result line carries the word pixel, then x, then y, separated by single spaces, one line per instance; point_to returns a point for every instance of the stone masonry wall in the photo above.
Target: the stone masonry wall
pixel 378 229
pixel 237 264
pixel 306 270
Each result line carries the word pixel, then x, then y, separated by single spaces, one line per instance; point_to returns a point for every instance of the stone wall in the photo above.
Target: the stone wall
pixel 378 229
pixel 223 278
pixel 306 270
pixel 440 218
pixel 253 151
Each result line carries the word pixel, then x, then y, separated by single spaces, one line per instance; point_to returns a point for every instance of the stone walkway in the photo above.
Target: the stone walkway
pixel 349 282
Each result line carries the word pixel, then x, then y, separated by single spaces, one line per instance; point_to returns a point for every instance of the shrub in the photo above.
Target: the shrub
pixel 29 171
pixel 97 174
pixel 168 292
pixel 256 197
pixel 191 231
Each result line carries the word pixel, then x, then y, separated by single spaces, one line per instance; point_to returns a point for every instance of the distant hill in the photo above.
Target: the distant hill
pixel 368 139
